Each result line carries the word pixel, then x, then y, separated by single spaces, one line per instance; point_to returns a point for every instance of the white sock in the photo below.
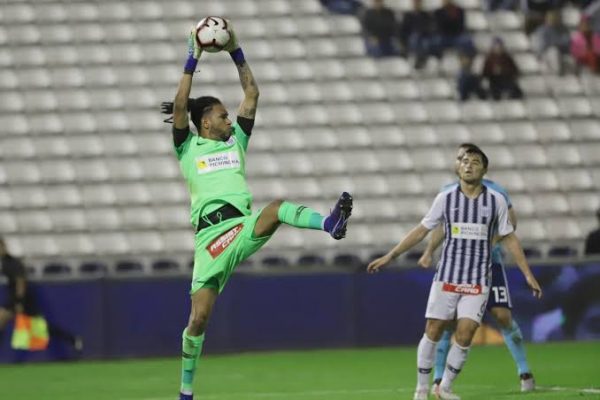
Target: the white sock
pixel 454 363
pixel 425 358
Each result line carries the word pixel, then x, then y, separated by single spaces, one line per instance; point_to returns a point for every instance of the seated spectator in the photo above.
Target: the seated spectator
pixel 551 42
pixel 535 12
pixel 585 46
pixel 352 7
pixel 451 29
pixel 501 72
pixel 493 5
pixel 380 30
pixel 469 83
pixel 592 242
pixel 417 33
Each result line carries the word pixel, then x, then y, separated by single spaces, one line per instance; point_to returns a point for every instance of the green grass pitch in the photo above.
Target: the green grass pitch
pixel 563 371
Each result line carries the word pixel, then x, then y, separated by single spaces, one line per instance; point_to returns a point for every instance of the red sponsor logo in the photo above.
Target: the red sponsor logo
pixel 466 288
pixel 219 245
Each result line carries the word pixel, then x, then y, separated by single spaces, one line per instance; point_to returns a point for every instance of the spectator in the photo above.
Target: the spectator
pixel 451 29
pixel 535 12
pixel 380 30
pixel 493 5
pixel 469 83
pixel 352 7
pixel 417 33
pixel 21 298
pixel 501 72
pixel 592 242
pixel 585 46
pixel 551 42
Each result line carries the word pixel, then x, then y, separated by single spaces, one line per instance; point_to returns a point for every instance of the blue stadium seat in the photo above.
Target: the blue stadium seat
pixel 56 269
pixel 562 251
pixel 165 265
pixel 310 260
pixel 275 261
pixel 348 261
pixel 129 266
pixel 93 267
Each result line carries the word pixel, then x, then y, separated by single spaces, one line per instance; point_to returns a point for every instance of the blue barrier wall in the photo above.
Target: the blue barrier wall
pixel 134 317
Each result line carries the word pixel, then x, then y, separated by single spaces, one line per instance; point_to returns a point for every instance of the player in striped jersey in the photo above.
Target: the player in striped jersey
pixel 499 303
pixel 472 215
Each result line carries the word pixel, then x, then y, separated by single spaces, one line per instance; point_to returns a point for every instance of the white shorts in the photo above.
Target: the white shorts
pixel 447 302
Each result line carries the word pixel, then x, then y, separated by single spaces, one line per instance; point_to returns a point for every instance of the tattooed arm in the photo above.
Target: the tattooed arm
pixel 248 106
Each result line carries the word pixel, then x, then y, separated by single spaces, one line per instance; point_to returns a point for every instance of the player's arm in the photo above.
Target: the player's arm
pixel 414 237
pixel 513 245
pixel 181 121
pixel 248 105
pixel 437 236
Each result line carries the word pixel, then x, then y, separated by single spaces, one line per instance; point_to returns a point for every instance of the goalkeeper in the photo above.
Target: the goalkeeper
pixel 213 165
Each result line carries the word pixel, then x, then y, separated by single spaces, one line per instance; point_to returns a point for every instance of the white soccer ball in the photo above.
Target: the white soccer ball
pixel 212 34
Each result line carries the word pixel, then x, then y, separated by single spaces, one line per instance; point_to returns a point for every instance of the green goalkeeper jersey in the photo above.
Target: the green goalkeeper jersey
pixel 215 172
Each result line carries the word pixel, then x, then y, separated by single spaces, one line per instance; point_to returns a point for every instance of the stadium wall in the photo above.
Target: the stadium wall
pixel 141 317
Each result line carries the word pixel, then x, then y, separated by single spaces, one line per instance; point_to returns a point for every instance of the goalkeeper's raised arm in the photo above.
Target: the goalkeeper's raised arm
pixel 248 105
pixel 180 105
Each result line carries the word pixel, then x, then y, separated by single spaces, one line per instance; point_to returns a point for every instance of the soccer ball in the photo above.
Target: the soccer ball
pixel 212 34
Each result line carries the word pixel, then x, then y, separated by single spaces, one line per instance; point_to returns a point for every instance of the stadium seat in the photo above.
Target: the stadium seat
pixel 129 267
pixel 562 228
pixel 75 244
pixel 131 193
pixel 562 251
pixel 17 148
pixel 370 186
pixel 563 155
pixel 509 110
pixel 583 203
pixel 332 186
pixel 585 129
pixel 179 240
pixel 51 147
pixel 297 188
pixel 530 155
pixel 94 170
pixel 275 261
pixel 59 171
pixel 67 219
pixel 57 269
pixel 98 194
pixel 476 111
pixel 348 261
pixel 26 197
pixel 542 108
pixel 540 180
pixel 520 132
pixel 575 107
pixel 405 184
pixel 523 204
pixel 103 218
pixel 93 268
pixel 145 242
pixel 165 265
pixel 8 221
pixel 310 261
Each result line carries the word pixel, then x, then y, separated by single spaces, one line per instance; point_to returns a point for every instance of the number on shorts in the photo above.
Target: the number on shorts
pixel 500 294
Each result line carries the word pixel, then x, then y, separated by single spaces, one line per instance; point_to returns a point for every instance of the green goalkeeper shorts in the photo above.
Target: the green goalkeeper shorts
pixel 220 248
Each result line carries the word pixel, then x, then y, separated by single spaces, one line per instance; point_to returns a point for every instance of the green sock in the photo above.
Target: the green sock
pixel 191 349
pixel 300 216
